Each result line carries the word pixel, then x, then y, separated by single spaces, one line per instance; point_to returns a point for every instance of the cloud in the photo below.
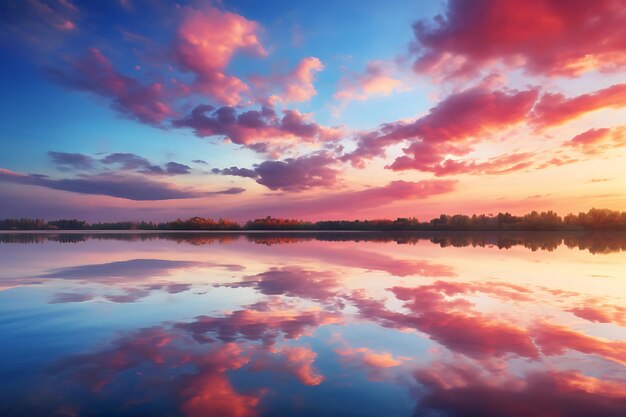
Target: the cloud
pixel 343 203
pixel 450 321
pixel 553 109
pixel 236 172
pixel 292 174
pixel 292 281
pixel 130 295
pixel 295 86
pixel 422 159
pixel 567 38
pixel 133 162
pixel 298 85
pixel 128 161
pixel 210 393
pixel 39 22
pixel 393 191
pixel 121 271
pixel 265 321
pixel 174 168
pixel 72 160
pixel 70 297
pixel 204 389
pixel 95 73
pixel 294 360
pixel 228 191
pixel 257 129
pixel 449 128
pixel 437 311
pixel 372 261
pixel 596 312
pixel 595 141
pixel 133 279
pixel 206 41
pixel 463 389
pixel 451 324
pixel 374 363
pixel 554 339
pixel 114 185
pixel 375 81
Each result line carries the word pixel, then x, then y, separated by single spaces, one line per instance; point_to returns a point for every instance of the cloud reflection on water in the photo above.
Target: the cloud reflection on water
pixel 295 328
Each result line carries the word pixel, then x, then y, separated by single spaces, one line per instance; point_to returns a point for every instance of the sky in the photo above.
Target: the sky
pixel 153 110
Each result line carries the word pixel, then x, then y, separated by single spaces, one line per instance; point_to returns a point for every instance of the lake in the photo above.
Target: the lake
pixel 313 324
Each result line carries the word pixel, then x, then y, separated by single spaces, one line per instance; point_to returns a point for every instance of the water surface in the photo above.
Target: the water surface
pixel 313 324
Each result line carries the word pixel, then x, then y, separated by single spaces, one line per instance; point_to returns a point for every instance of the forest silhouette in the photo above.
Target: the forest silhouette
pixel 592 220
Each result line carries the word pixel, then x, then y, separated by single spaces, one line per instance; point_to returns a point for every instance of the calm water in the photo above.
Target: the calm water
pixel 297 324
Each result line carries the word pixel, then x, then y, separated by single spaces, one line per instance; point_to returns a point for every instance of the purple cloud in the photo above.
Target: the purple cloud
pixel 70 297
pixel 292 174
pixel 133 162
pixel 114 185
pixel 72 160
pixel 256 129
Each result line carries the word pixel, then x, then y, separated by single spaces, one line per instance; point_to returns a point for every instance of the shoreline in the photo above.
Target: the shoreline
pixel 130 231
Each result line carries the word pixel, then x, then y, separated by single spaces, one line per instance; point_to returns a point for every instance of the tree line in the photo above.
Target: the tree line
pixel 594 219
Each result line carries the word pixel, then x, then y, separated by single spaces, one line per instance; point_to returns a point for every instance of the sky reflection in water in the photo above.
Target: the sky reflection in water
pixel 313 324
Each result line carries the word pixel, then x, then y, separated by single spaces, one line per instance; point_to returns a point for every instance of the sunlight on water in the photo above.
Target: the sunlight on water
pixel 360 324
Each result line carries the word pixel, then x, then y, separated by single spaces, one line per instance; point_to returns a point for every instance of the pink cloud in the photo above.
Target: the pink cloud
pixel 295 360
pixel 449 128
pixel 464 389
pixel 375 81
pixel 368 260
pixel 553 109
pixel 341 204
pixel 206 42
pixel 419 159
pixel 554 339
pixel 448 322
pixel 299 84
pixel 594 141
pixel 600 313
pixel 567 38
pixel 380 196
pixel 295 86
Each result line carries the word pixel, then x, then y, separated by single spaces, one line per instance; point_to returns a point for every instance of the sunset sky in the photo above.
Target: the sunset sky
pixel 152 110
